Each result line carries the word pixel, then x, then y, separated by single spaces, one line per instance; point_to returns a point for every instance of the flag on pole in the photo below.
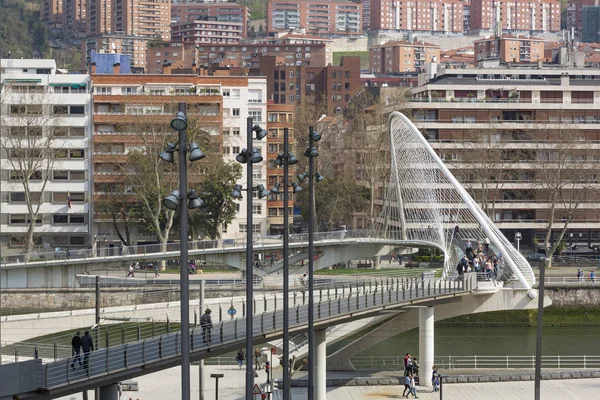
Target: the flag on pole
pixel 69 200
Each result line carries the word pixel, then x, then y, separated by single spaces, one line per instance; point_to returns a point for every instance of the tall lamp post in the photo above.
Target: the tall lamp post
pixel 518 238
pixel 286 159
pixel 250 155
pixel 311 152
pixel 179 124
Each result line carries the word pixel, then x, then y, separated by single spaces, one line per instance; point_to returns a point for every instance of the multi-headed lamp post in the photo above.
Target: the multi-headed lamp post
pixel 311 152
pixel 188 200
pixel 249 156
pixel 286 159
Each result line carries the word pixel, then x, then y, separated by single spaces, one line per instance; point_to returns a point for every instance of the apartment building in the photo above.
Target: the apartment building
pixel 289 84
pixel 590 28
pixel 38 102
pixel 207 31
pixel 75 15
pixel 366 21
pixel 51 13
pixel 322 17
pixel 402 56
pixel 99 17
pixel 224 104
pixel 509 16
pixel 437 16
pixel 112 43
pixel 575 19
pixel 510 49
pixel 513 117
pixel 219 12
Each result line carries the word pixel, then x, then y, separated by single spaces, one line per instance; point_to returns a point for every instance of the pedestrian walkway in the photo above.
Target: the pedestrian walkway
pixel 167 385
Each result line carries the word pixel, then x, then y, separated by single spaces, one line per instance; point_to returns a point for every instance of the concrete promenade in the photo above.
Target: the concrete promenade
pixel 167 385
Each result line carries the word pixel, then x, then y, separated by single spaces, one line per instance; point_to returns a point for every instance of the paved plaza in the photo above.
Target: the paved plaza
pixel 166 385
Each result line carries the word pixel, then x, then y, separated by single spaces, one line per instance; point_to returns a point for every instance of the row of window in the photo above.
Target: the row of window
pixel 57 175
pixel 39 109
pixel 55 197
pixel 58 131
pixel 29 153
pixel 57 219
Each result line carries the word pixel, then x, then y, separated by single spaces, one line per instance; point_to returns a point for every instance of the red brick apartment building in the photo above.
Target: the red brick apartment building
pixel 220 12
pixel 323 17
pixel 417 15
pixel 401 56
pixel 510 49
pixel 529 16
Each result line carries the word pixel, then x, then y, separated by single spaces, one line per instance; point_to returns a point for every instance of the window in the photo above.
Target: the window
pixel 22 219
pixel 18 176
pixel 226 131
pixel 235 149
pixel 226 93
pixel 235 131
pixel 333 75
pixel 272 212
pixel 272 117
pixel 76 153
pixel 291 74
pixel 257 209
pixel 236 112
pixel 76 110
pixel 61 197
pixel 255 114
pixel 224 228
pixel 225 150
pixel 61 110
pixel 128 90
pixel 63 219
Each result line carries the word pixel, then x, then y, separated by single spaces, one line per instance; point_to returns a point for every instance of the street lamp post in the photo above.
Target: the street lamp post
pixel 249 156
pixel 518 238
pixel 180 198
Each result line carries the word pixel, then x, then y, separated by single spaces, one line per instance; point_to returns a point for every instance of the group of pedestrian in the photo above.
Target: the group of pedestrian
pixel 480 259
pixel 396 257
pixel 581 276
pixel 411 371
pixel 85 343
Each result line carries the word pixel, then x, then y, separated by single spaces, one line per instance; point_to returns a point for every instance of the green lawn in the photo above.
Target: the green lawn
pixel 364 57
pixel 391 272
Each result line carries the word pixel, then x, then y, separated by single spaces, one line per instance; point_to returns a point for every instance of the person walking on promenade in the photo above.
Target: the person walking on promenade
pixel 156 270
pixel 240 357
pixel 76 344
pixel 406 391
pixel 257 359
pixel 592 277
pixel 435 379
pixel 407 364
pixel 207 325
pixel 130 273
pixel 87 344
pixel 579 275
pixel 413 388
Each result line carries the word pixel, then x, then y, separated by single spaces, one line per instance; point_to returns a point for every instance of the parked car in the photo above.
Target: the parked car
pixel 536 257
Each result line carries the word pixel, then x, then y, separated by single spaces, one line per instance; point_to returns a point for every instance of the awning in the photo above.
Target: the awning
pixel 72 85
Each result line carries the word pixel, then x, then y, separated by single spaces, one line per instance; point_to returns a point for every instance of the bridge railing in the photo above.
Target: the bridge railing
pixel 101 251
pixel 571 280
pixel 356 300
pixel 396 363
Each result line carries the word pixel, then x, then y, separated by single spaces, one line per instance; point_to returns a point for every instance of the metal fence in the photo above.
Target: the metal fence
pixel 396 363
pixel 358 299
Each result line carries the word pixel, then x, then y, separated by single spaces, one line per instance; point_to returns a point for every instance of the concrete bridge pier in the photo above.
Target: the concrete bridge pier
pixel 377 262
pixel 109 392
pixel 321 364
pixel 426 345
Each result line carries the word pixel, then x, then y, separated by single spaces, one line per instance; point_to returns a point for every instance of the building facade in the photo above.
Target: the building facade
pixel 401 56
pixel 46 139
pixel 590 28
pixel 575 13
pixel 220 12
pixel 510 49
pixel 150 18
pixel 435 16
pixel 51 13
pixel 133 46
pixel 510 16
pixel 513 117
pixel 206 31
pixel 75 15
pixel 322 17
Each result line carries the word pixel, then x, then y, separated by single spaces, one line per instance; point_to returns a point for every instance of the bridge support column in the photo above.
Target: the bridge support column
pixel 377 262
pixel 426 350
pixel 321 364
pixel 109 392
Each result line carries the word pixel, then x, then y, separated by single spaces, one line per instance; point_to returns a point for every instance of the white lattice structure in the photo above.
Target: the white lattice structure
pixel 425 203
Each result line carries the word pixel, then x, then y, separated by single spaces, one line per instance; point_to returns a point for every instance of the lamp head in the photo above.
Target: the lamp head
pixel 279 160
pixel 315 136
pixel 172 200
pixel 292 159
pixel 260 132
pixel 262 192
pixel 311 152
pixel 255 157
pixel 179 123
pixel 195 152
pixel 301 176
pixel 167 154
pixel 275 188
pixel 237 192
pixel 297 188
pixel 242 157
pixel 319 177
pixel 194 201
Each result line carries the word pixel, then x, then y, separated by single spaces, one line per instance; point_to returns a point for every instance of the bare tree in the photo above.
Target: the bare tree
pixel 27 141
pixel 565 176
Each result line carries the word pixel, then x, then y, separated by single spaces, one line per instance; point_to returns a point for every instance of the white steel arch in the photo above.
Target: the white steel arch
pixel 425 202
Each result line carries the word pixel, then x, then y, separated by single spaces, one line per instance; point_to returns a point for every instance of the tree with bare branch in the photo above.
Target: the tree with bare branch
pixel 28 143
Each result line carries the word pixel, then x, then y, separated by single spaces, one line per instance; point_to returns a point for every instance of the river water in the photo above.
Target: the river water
pixel 500 340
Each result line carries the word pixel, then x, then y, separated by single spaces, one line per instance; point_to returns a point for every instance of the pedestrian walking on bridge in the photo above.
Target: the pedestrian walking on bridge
pixel 87 344
pixel 76 344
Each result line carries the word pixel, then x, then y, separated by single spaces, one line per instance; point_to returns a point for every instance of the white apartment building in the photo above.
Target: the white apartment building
pixel 45 110
pixel 239 103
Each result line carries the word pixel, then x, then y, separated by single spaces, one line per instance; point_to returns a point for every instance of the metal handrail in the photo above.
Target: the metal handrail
pixel 104 362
